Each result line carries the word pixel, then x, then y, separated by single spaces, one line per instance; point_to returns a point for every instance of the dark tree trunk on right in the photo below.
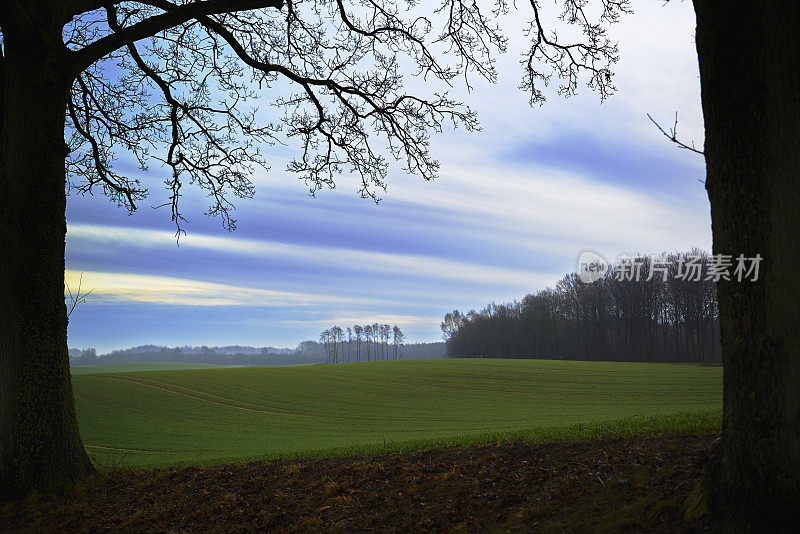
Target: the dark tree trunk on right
pixel 749 54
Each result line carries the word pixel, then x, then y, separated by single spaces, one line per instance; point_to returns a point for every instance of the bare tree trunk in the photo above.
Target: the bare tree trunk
pixel 40 448
pixel 749 56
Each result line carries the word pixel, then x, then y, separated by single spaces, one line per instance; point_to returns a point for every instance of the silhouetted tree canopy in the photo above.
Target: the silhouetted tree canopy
pixel 658 316
pixel 182 86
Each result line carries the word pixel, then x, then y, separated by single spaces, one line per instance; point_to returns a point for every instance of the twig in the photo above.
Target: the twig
pixel 673 135
pixel 77 298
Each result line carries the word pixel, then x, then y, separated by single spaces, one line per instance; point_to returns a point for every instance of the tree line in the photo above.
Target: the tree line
pixel 370 342
pixel 306 352
pixel 212 355
pixel 663 315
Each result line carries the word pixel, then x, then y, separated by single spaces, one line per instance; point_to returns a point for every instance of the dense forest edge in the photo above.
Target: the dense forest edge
pixel 645 308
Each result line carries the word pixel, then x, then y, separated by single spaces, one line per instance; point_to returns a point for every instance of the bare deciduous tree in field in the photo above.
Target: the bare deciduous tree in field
pixel 358 330
pixel 349 341
pixel 171 84
pixel 398 338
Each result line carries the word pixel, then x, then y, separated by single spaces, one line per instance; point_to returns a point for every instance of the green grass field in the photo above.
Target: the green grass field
pixel 211 415
pixel 128 367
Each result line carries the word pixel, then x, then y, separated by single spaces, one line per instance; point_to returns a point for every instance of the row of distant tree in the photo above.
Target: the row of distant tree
pixel 82 356
pixel 306 352
pixel 362 342
pixel 185 349
pixel 231 355
pixel 661 316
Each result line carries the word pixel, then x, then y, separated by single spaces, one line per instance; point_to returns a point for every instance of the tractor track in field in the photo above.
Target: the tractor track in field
pixel 194 397
pixel 195 394
pixel 109 448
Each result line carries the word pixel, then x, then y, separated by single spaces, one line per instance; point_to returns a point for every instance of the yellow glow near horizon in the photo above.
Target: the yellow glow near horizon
pixel 181 291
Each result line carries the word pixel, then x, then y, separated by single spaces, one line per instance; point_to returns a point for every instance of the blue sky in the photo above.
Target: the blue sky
pixel 513 207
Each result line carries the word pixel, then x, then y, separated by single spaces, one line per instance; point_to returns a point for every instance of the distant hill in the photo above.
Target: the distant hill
pixel 307 352
pixel 188 349
pixel 228 355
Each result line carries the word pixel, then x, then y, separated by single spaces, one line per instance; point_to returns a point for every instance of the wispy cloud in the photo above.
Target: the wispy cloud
pixel 529 207
pixel 355 260
pixel 128 287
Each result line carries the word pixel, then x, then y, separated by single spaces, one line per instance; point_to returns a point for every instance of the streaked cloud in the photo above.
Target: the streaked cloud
pixel 128 287
pixel 357 260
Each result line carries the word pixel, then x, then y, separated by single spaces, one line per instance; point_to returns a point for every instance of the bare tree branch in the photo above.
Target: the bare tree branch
pixel 567 61
pixel 153 25
pixel 125 191
pixel 77 298
pixel 673 135
pixel 169 81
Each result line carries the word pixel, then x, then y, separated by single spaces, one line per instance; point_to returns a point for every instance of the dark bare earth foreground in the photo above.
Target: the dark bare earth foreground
pixel 642 483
